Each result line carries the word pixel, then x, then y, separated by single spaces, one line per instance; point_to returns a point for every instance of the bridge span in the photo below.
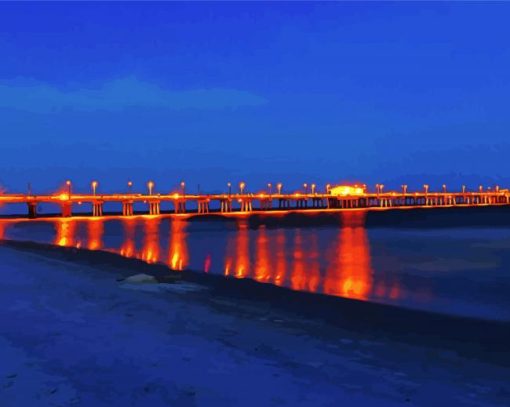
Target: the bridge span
pixel 181 203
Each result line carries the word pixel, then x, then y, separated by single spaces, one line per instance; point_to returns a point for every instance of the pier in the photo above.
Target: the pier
pixel 333 198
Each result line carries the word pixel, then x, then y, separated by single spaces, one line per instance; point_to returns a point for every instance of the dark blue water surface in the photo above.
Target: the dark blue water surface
pixel 458 270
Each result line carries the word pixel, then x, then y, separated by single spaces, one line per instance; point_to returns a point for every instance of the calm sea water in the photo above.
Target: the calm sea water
pixel 463 271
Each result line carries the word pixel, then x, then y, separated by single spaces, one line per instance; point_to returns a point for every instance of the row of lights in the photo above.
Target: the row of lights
pixel 150 187
pixel 242 185
pixel 379 188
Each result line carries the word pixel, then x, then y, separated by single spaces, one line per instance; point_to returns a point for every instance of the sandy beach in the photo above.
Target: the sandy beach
pixel 76 331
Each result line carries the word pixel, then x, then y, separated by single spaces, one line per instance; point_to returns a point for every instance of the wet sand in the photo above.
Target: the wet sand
pixel 74 332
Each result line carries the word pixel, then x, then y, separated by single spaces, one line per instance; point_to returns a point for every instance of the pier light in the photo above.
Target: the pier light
pixel 183 187
pixel 328 187
pixel 229 185
pixel 305 187
pixel 497 188
pixel 150 185
pixel 381 186
pixel 313 189
pixel 130 186
pixel 93 184
pixel 480 188
pixel 241 187
pixel 377 188
pixel 270 188
pixel 69 186
pixel 463 189
pixel 404 189
pixel 444 188
pixel 279 187
pixel 426 188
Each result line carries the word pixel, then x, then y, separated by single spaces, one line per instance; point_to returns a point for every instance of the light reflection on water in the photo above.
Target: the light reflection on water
pixel 391 266
pixel 267 256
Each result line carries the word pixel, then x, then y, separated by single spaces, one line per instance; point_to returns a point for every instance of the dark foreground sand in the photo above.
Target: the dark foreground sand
pixel 73 332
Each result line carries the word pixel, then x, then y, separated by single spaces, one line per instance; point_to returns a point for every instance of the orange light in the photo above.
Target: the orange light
pixel 346 190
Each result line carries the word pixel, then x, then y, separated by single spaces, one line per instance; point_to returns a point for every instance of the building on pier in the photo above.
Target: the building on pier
pixel 348 190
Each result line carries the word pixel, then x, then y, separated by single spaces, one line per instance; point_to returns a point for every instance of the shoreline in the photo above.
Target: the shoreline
pixel 77 331
pixel 480 338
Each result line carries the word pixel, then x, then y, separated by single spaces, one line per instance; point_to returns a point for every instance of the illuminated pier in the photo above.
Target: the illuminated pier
pixel 339 197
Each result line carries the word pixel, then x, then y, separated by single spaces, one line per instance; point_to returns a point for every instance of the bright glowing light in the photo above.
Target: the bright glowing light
pixel 150 185
pixel 93 184
pixel 346 190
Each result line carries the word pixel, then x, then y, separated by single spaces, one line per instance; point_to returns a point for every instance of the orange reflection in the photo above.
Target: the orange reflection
pixel 237 257
pixel 65 232
pixel 2 230
pixel 150 249
pixel 262 267
pixel 280 262
pixel 298 274
pixel 178 253
pixel 313 268
pixel 242 266
pixel 95 229
pixel 128 247
pixel 207 263
pixel 350 273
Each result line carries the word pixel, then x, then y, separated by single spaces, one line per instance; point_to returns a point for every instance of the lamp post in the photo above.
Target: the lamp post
pixel 328 187
pixel 377 189
pixel 313 189
pixel 305 187
pixel 68 183
pixel 381 186
pixel 93 184
pixel 426 189
pixel 480 188
pixel 241 187
pixel 463 189
pixel 444 188
pixel 270 188
pixel 183 188
pixel 404 189
pixel 150 185
pixel 229 185
pixel 130 186
pixel 279 187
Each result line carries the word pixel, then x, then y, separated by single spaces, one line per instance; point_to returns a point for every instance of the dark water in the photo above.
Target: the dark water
pixel 462 271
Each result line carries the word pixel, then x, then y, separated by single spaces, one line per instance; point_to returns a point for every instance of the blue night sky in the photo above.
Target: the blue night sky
pixel 216 92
